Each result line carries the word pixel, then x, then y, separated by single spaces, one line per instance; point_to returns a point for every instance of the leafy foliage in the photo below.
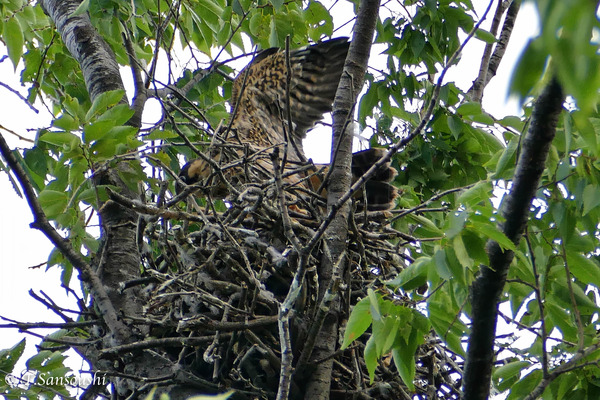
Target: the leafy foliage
pixel 452 176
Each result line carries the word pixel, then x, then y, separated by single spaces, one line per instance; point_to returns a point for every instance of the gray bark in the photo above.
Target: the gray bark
pixel 333 263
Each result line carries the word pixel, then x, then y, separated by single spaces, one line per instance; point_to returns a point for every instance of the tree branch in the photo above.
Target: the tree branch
pixel 40 222
pixel 488 286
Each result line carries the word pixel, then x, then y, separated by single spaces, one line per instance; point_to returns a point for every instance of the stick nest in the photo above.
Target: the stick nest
pixel 220 272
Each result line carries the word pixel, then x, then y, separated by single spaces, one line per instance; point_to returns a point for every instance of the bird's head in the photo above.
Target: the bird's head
pixel 190 173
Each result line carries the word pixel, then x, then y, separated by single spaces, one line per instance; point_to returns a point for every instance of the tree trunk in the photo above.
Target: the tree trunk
pixel 333 266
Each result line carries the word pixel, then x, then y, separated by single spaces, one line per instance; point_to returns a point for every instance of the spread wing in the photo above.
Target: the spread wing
pixel 259 97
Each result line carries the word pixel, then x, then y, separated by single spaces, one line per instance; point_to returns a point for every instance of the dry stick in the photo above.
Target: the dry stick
pixel 141 94
pixel 429 201
pixel 105 306
pixel 476 91
pixel 285 310
pixel 507 28
pixel 540 301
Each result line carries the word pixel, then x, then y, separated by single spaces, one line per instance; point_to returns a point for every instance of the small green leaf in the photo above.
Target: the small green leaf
pixel 481 191
pixel 103 102
pixel 273 37
pixel 456 125
pixel 469 108
pixel 413 276
pixel 9 357
pixel 374 304
pixel 66 122
pixel 442 265
pixel 509 370
pixel 82 8
pixel 161 135
pixel 461 252
pixel 359 321
pixel 371 358
pixel 60 138
pixel 530 68
pixel 119 114
pixel 524 387
pixel 584 269
pixel 561 319
pixel 13 38
pixel 405 363
pixel 485 36
pixel 237 7
pixel 277 4
pixel 507 159
pixel 53 202
pixel 493 233
pixel 456 223
pixel 513 122
pixel 591 198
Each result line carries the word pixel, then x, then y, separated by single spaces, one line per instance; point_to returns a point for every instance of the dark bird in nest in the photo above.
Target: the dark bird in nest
pixel 261 121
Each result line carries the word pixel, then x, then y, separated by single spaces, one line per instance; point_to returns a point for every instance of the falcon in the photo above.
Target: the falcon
pixel 261 121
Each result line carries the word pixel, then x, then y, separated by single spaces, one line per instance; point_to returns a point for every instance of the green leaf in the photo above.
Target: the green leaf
pixel 530 68
pixel 406 345
pixel 255 24
pixel 492 232
pixel 119 114
pixel 469 108
pixel 13 38
pixel 9 357
pixel 359 321
pixel 509 370
pixel 273 37
pixel 445 321
pixel 384 334
pixel 413 276
pixel 476 194
pixel 461 252
pixel 103 102
pixel 60 139
pixel 404 360
pixel 374 304
pixel 524 387
pixel 591 198
pixel 513 122
pixel 561 319
pixel 456 125
pixel 456 223
pixel 53 202
pixel 507 159
pixel 585 269
pixel 96 130
pixel 66 122
pixel 442 265
pixel 277 4
pixel 82 8
pixel 485 36
pixel 371 358
pixel 160 134
pixel 563 293
pixel 237 7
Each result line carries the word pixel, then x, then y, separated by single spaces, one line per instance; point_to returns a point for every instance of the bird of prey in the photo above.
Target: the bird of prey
pixel 261 121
